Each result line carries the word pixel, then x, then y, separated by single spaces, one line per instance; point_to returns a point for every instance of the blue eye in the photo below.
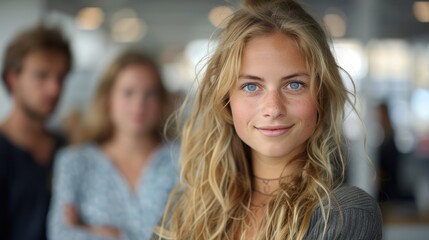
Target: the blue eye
pixel 295 85
pixel 250 87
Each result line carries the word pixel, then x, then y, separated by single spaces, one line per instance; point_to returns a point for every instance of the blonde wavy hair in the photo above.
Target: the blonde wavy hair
pixel 216 180
pixel 97 125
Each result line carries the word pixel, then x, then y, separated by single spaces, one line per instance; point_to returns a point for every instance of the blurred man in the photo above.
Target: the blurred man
pixel 35 64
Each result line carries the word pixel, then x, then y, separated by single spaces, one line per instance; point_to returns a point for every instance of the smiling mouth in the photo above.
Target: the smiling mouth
pixel 274 131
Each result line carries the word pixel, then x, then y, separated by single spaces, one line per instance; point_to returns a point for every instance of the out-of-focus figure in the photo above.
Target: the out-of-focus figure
pixel 116 181
pixel 388 157
pixel 389 161
pixel 35 64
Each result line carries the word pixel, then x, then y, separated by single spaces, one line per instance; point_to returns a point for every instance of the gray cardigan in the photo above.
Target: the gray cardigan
pixel 354 215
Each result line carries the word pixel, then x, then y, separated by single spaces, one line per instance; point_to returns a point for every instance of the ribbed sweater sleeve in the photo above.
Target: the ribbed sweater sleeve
pixel 353 214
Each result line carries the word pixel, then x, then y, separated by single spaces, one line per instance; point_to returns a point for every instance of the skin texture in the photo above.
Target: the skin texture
pixel 273 111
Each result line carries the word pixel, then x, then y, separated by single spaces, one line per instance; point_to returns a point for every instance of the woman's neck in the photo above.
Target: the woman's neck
pixel 268 173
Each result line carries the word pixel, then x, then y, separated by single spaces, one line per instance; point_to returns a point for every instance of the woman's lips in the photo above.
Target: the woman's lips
pixel 274 131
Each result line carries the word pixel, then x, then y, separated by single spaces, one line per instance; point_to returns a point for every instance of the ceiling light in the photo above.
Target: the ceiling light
pixel 218 15
pixel 335 22
pixel 123 13
pixel 129 30
pixel 421 11
pixel 90 18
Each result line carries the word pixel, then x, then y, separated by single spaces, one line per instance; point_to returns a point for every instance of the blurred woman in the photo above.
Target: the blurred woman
pixel 115 182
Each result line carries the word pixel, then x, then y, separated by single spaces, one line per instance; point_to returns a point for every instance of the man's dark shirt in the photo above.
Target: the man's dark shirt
pixel 25 191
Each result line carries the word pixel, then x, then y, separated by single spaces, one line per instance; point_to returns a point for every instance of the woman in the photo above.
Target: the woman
pixel 115 183
pixel 262 154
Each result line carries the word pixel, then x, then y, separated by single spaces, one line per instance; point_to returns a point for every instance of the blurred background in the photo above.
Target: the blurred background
pixel 382 45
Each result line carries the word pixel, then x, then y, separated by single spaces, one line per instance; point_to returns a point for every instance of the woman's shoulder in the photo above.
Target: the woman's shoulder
pixel 77 154
pixel 166 160
pixel 169 153
pixel 350 197
pixel 171 147
pixel 353 214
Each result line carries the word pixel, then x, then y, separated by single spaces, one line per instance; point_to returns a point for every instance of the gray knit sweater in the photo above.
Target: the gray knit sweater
pixel 354 215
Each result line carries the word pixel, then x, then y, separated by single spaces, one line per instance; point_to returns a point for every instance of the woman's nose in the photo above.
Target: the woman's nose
pixel 274 105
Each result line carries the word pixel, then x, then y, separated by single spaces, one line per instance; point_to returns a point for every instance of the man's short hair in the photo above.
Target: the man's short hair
pixel 39 38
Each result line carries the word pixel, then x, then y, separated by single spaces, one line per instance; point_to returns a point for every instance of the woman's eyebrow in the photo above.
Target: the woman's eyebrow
pixel 252 77
pixel 298 74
